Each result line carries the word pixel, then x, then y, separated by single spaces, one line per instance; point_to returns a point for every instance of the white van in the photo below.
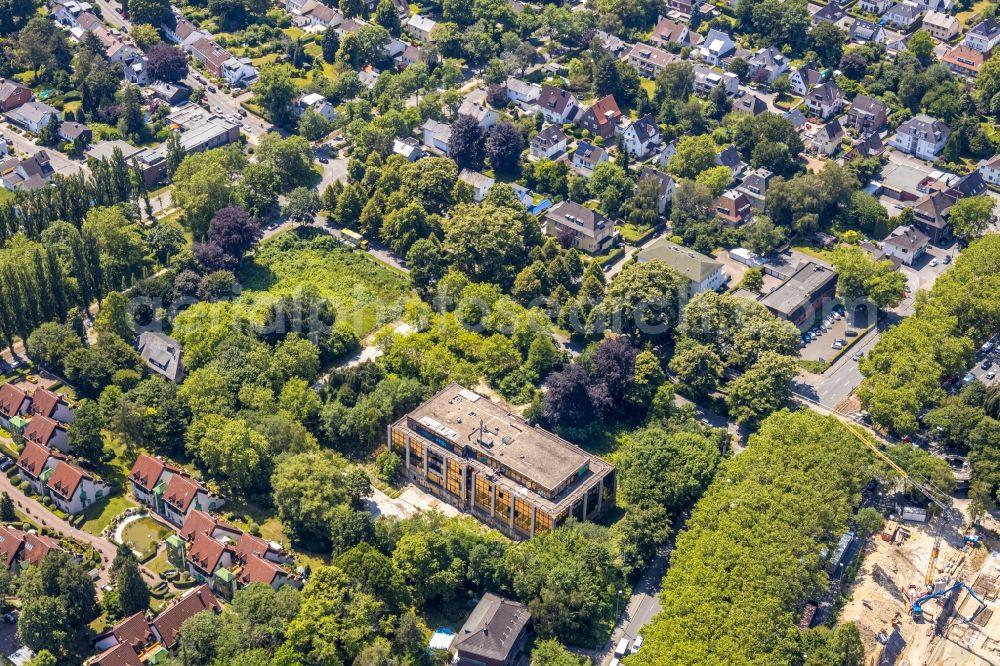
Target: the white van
pixel 622 648
pixel 615 662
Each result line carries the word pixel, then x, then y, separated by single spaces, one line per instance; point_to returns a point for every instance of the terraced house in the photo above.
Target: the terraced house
pixel 168 490
pixel 482 458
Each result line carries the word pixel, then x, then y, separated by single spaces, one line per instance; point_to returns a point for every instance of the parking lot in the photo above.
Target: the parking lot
pixel 991 360
pixel 821 347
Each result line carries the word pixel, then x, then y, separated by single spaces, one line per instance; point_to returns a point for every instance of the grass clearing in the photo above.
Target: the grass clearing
pixel 363 291
pixel 98 516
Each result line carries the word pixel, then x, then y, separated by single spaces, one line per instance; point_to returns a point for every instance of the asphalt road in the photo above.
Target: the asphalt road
pixel 60 162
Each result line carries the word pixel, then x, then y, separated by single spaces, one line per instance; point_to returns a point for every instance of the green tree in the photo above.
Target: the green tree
pixel 86 438
pixel 643 301
pixel 970 216
pixel 861 277
pixel 274 92
pixel 204 183
pixel 921 45
pixel 698 368
pixel 550 652
pixel 762 389
pixel 113 318
pixel 231 450
pixel 694 155
pixel 7 513
pixel 313 126
pixel 306 489
pixel 153 12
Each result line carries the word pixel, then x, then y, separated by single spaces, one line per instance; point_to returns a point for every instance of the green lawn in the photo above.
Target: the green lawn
pixel 359 287
pixel 99 516
pixel 144 535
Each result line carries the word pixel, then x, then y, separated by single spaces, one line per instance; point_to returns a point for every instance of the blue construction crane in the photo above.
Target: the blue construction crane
pixel 918 609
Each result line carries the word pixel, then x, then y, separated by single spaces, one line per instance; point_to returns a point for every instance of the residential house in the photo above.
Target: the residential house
pixel 148 478
pixel 19 548
pixel 990 170
pixel 13 95
pixel 480 183
pixel 117 49
pixel 970 185
pixel 579 227
pixel 436 135
pixel 877 7
pixel 205 556
pixel 733 207
pixel 707 79
pixel 930 215
pixel 181 31
pixel 662 158
pixel 539 482
pixel 32 116
pixel 921 136
pixel 549 143
pixel 162 354
pixel 132 636
pixel 66 12
pixel 754 187
pixel 484 115
pixel 47 432
pixel 239 72
pixel 684 7
pixel 613 43
pixel 199 130
pixel 420 27
pixel 665 186
pixel 495 634
pixel 523 93
pixel 730 157
pixel 317 103
pixel 587 156
pixel 903 15
pixel 14 404
pixel 825 100
pixel 867 114
pixel 368 76
pixel 642 137
pixel 167 625
pixel 796 118
pixel 557 105
pixel 137 70
pixel 826 139
pixel 964 61
pixel 171 93
pixel 804 79
pixel 717 45
pixel 867 146
pixel 907 244
pixel 703 273
pixel 750 104
pixel 34 465
pixel 210 55
pixel 943 27
pixel 829 13
pixel 412 54
pixel 73 489
pixel 667 32
pixel 320 15
pixel 601 119
pixel 409 148
pixel 802 296
pixel 31 173
pixel 72 131
pixel 51 405
pixel 766 65
pixel 984 36
pixel 865 32
pixel 648 60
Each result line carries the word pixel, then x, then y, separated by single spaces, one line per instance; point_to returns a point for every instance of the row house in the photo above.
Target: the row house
pixel 15 404
pixel 226 558
pixel 825 100
pixel 137 641
pixel 648 60
pixel 51 405
pixel 984 36
pixel 169 491
pixel 867 114
pixel 19 549
pixel 46 432
pixel 210 55
pixel 49 473
pixel 601 119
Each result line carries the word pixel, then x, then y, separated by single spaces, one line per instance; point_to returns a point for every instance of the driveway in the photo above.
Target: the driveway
pixel 37 512
pixel 62 164
pixel 409 503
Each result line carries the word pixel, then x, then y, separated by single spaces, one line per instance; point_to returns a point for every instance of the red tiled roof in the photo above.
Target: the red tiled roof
pixel 249 546
pixel 11 541
pixel 181 491
pixel 66 479
pixel 133 631
pixel 30 548
pixel 168 623
pixel 602 107
pixel 119 655
pixel 258 570
pixel 37 547
pixel 40 429
pixel 44 402
pixel 206 552
pixel 33 458
pixel 200 522
pixel 11 399
pixel 147 470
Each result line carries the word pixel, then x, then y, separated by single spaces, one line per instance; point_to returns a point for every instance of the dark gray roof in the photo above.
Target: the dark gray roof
pixel 645 128
pixel 729 158
pixel 988 29
pixel 863 30
pixel 662 180
pixel 554 99
pixel 904 10
pixel 493 629
pixel 588 152
pixel 548 137
pixel 868 105
pixel 924 127
pixel 586 220
pixel 830 13
pixel 162 354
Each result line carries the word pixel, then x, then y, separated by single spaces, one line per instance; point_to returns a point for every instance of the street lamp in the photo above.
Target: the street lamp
pixel 617 601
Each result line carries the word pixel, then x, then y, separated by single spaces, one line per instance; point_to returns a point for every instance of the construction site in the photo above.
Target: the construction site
pixel 927 586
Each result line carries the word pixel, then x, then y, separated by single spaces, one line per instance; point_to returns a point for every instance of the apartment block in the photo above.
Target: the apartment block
pixel 486 460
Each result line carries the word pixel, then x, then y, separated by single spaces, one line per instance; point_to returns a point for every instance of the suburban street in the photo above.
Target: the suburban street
pixel 61 163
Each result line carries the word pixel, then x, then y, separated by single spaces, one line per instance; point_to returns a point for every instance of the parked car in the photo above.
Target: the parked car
pixel 857 356
pixel 11 617
pixel 987 364
pixel 6 463
pixel 934 262
pixel 991 375
pixel 837 345
pixel 850 333
pixel 841 341
pixel 218 109
pixel 211 89
pixel 637 644
pixel 947 259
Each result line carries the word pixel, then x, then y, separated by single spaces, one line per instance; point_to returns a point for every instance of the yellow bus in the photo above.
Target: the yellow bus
pixel 354 239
